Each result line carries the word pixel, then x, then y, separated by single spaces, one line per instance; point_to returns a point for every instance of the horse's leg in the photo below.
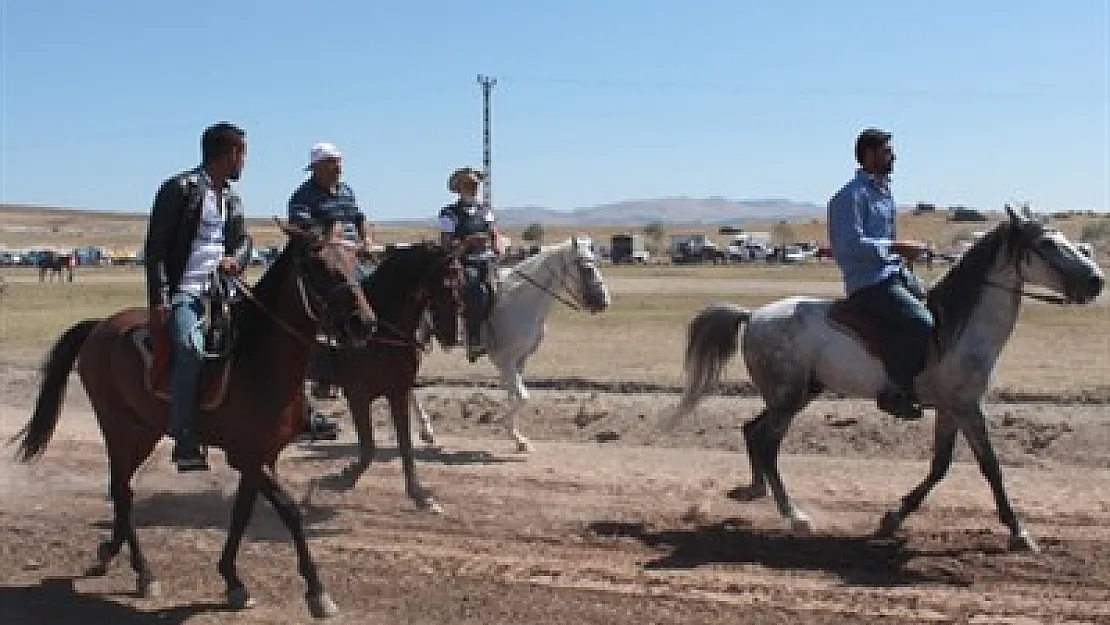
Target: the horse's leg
pixel 319 603
pixel 241 511
pixel 764 442
pixel 427 435
pixel 758 488
pixel 944 446
pixel 358 403
pixel 973 423
pixel 399 410
pixel 512 379
pixel 129 445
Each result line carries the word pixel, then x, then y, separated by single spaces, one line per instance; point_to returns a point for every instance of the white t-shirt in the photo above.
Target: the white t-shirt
pixel 208 246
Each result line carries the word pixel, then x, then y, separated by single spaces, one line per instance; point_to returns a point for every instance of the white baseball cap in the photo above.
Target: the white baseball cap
pixel 322 151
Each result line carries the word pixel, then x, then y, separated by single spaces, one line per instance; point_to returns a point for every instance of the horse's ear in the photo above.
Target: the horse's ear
pixel 1014 217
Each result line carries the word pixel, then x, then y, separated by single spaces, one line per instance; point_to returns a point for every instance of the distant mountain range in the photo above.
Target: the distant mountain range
pixel 676 210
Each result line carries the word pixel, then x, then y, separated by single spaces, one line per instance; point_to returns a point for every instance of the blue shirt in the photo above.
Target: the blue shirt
pixel 314 207
pixel 861 228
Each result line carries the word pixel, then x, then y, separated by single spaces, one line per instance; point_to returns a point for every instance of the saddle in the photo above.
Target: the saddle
pixel 858 322
pixel 152 339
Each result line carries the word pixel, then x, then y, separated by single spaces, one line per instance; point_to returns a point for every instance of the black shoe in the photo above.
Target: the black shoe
pixel 320 427
pixel 474 352
pixel 901 404
pixel 189 457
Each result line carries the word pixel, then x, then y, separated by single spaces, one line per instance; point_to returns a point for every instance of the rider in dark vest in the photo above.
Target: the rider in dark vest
pixel 468 223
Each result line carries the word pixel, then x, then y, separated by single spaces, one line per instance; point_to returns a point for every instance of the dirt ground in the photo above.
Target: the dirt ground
pixel 610 520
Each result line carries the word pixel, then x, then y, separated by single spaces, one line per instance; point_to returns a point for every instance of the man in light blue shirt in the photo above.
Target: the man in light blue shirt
pixel 862 233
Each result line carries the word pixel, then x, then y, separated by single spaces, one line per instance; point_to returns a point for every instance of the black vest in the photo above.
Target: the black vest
pixel 469 218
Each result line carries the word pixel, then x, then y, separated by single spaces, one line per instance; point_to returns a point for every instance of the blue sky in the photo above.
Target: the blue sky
pixel 597 100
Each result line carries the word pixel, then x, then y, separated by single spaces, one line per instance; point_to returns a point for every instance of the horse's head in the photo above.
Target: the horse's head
pixel 592 290
pixel 420 279
pixel 445 286
pixel 327 277
pixel 1046 258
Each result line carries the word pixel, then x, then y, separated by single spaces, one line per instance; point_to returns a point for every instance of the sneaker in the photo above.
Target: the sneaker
pixel 901 404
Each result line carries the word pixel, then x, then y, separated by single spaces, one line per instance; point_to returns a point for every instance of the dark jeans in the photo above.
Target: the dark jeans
pixel 477 298
pixel 906 320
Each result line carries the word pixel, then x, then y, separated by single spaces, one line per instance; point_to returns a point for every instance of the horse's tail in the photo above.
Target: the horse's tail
pixel 55 371
pixel 712 340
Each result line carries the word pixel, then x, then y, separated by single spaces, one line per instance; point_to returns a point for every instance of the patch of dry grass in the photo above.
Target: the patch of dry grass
pixel 640 338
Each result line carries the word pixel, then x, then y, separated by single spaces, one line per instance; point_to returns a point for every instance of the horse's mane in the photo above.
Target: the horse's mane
pixel 254 323
pixel 401 270
pixel 531 265
pixel 954 298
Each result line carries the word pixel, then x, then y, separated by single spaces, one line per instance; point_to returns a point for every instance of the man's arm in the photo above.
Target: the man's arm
pixel 446 229
pixel 240 243
pixel 165 215
pixel 362 225
pixel 494 231
pixel 301 210
pixel 847 213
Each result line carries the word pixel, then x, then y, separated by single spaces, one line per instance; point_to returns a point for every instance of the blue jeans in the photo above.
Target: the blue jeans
pixel 186 311
pixel 476 276
pixel 903 317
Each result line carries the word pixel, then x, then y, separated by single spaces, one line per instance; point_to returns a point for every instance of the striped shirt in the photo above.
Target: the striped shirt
pixel 314 207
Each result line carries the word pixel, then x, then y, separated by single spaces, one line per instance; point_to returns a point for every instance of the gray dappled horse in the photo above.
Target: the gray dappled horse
pixel 793 350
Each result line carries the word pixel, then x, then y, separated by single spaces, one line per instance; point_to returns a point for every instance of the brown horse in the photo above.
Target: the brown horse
pixel 53 264
pixel 409 283
pixel 263 405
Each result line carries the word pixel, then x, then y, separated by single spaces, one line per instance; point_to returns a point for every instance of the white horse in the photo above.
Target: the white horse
pixel 523 296
pixel 793 351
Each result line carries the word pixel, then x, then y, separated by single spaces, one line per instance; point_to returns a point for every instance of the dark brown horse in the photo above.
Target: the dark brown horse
pixel 409 283
pixel 53 264
pixel 263 406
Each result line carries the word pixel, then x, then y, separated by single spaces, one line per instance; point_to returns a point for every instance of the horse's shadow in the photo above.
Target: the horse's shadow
pixel 55 601
pixel 211 509
pixel 432 455
pixel 855 560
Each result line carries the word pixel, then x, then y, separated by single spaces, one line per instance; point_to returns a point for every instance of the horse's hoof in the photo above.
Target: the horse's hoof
pixel 747 493
pixel 239 599
pixel 148 588
pixel 429 505
pixel 801 525
pixel 322 606
pixel 524 447
pixel 889 526
pixel 97 569
pixel 427 438
pixel 1024 542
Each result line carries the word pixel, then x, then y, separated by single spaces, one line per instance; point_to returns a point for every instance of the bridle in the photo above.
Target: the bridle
pixel 576 301
pixel 401 338
pixel 1019 291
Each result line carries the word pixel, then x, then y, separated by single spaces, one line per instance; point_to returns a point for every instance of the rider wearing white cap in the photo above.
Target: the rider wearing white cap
pixel 326 204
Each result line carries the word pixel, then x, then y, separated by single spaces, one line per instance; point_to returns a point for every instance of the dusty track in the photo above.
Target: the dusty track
pixel 581 532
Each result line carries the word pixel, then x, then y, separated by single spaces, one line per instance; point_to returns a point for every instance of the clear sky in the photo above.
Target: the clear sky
pixel 597 100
